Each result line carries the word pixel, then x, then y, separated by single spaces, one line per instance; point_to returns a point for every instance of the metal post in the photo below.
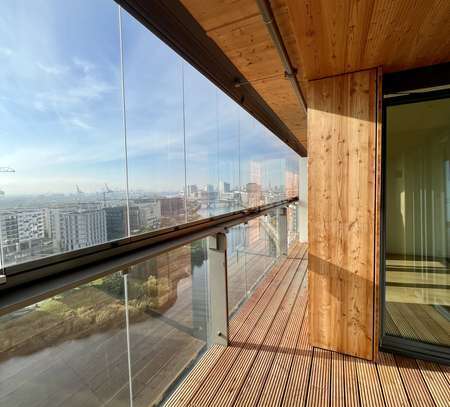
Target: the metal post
pixel 245 229
pixel 302 208
pixel 282 232
pixel 217 282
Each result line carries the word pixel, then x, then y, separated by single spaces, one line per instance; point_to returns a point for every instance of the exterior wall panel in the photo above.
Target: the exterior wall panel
pixel 341 202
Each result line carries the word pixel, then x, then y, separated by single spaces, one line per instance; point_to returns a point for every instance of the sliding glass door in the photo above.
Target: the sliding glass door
pixel 417 223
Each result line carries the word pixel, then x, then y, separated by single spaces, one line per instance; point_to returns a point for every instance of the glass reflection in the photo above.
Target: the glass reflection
pixel 417 249
pixel 60 127
pixel 237 284
pixel 71 349
pixel 172 148
pixel 168 309
pixel 67 350
pixel 154 113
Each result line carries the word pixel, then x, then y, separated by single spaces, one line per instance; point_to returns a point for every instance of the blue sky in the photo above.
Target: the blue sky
pixel 61 107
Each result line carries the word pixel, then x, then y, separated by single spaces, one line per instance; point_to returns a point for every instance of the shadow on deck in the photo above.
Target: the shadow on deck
pixel 270 363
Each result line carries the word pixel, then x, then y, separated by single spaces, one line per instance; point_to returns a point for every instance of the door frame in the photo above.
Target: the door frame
pixel 391 343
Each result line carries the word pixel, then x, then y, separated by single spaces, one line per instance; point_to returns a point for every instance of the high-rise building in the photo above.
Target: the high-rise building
pixel 75 229
pixel 150 215
pixel 30 225
pixel 22 235
pixel 192 191
pixel 145 215
pixel 9 231
pixel 171 206
pixel 116 222
pixel 224 187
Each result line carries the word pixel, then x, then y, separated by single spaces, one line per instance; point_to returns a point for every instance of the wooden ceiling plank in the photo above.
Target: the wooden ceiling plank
pixel 305 15
pixel 212 14
pixel 357 33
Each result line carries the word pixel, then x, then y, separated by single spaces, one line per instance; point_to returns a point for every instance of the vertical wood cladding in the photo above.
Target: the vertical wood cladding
pixel 342 133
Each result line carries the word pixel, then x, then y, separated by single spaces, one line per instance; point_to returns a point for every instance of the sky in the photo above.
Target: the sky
pixel 61 115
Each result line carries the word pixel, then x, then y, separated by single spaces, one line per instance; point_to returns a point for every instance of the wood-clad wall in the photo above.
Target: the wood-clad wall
pixel 342 140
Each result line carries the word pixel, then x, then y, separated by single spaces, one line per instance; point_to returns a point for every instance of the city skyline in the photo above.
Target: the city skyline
pixel 61 108
pixel 117 136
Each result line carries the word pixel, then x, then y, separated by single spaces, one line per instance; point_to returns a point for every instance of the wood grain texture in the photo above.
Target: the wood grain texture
pixel 341 199
pixel 324 38
pixel 335 37
pixel 276 366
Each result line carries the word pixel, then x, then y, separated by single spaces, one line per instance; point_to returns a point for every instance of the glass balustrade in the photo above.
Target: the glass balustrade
pixel 123 337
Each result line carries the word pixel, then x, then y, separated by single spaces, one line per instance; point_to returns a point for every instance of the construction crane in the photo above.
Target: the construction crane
pixel 5 169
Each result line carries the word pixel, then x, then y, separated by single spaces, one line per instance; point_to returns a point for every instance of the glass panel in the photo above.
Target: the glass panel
pixel 417 221
pixel 202 143
pixel 291 174
pixel 251 161
pixel 168 307
pixel 60 127
pixel 229 155
pixel 261 247
pixel 77 121
pixel 236 260
pixel 154 110
pixel 67 350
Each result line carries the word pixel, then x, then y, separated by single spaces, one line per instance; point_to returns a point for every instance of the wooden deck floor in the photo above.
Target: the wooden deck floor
pixel 270 363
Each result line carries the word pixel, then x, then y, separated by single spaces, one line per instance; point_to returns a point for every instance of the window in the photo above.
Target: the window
pixel 416 253
pixel 118 136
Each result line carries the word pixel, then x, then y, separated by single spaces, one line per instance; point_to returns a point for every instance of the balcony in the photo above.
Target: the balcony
pixel 162 166
pixel 125 335
pixel 269 361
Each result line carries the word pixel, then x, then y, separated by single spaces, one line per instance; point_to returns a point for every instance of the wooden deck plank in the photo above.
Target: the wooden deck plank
pixel 297 253
pixel 227 393
pixel 436 382
pixel 193 381
pixel 391 381
pixel 274 387
pixel 319 382
pixel 270 362
pixel 259 320
pixel 337 380
pixel 352 397
pixel 297 385
pixel 415 386
pixel 369 384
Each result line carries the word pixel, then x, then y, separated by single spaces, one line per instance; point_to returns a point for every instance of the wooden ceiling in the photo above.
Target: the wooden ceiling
pixel 337 36
pixel 324 38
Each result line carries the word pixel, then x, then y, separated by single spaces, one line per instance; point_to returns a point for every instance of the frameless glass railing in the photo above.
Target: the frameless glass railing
pixel 120 338
pixel 125 336
pixel 252 250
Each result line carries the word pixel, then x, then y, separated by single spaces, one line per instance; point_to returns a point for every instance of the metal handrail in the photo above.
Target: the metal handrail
pixel 34 281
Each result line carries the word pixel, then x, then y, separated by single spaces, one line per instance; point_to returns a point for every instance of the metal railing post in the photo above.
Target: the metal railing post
pixel 245 229
pixel 282 232
pixel 217 282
